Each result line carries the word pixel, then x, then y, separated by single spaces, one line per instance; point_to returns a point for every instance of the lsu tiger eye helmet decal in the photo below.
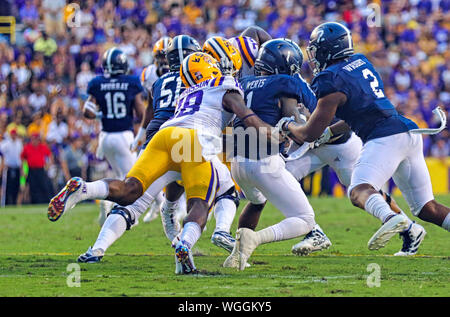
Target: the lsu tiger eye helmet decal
pixel 198 67
pixel 220 48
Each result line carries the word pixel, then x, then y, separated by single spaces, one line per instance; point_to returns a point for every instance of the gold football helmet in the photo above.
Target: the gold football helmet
pixel 198 67
pixel 220 48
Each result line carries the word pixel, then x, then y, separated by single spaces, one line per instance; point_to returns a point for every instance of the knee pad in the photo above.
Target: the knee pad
pixel 230 194
pixel 119 210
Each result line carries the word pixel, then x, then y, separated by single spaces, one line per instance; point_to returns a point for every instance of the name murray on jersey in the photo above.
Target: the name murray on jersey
pixel 114 86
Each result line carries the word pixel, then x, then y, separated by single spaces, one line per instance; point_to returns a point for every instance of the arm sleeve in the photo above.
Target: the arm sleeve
pixel 327 83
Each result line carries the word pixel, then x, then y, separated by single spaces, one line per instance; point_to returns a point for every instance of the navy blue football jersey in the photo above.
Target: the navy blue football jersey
pixel 166 91
pixel 115 96
pixel 262 95
pixel 367 111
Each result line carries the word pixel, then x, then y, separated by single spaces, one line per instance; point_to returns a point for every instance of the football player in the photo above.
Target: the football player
pixel 203 111
pixel 113 97
pixel 272 94
pixel 347 85
pixel 338 150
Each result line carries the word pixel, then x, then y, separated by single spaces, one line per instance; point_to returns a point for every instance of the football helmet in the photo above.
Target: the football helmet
pixel 159 54
pixel 114 62
pixel 225 53
pixel 198 67
pixel 279 56
pixel 180 47
pixel 328 42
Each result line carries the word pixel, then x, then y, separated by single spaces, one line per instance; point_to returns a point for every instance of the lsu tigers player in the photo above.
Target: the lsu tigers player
pixel 165 92
pixel 113 97
pixel 348 86
pixel 272 94
pixel 204 109
pixel 149 76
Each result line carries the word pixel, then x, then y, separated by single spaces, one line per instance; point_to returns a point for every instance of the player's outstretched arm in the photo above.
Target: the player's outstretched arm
pixel 320 118
pixel 233 102
pixel 257 33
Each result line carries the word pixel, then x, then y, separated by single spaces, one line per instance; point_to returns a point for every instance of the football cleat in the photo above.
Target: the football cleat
pixel 91 256
pixel 412 238
pixel 170 224
pixel 316 240
pixel 66 199
pixel 223 240
pixel 184 261
pixel 248 241
pixel 394 225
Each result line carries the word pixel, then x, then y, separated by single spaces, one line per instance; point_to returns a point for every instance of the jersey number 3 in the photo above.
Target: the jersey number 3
pixel 373 83
pixel 115 105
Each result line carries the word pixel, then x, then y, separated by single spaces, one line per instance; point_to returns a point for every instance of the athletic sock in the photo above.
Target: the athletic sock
pixel 378 207
pixel 286 229
pixel 97 190
pixel 446 223
pixel 140 205
pixel 113 228
pixel 224 212
pixel 191 233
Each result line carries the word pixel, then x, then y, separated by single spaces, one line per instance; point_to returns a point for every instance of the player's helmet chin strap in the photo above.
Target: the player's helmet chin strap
pixel 442 117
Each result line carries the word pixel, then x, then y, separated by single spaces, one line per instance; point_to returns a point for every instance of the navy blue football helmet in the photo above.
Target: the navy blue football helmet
pixel 328 42
pixel 180 47
pixel 279 56
pixel 115 62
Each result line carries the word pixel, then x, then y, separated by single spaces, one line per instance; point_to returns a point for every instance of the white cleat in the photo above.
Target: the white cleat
pixel 66 199
pixel 233 259
pixel 314 241
pixel 170 224
pixel 412 238
pixel 248 242
pixel 396 224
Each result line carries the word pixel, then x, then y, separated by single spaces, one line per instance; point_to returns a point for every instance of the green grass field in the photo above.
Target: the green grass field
pixel 35 253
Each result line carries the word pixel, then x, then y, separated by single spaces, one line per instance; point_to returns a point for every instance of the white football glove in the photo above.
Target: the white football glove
pixel 324 138
pixel 226 66
pixel 282 125
pixel 139 140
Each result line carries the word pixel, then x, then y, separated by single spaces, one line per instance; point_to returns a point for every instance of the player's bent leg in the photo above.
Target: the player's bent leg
pixel 368 198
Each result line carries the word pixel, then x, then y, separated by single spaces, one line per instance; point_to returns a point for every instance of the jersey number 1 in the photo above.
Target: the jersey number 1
pixel 115 105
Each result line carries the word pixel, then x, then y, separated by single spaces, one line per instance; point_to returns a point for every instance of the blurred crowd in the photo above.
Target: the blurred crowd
pixel 59 45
